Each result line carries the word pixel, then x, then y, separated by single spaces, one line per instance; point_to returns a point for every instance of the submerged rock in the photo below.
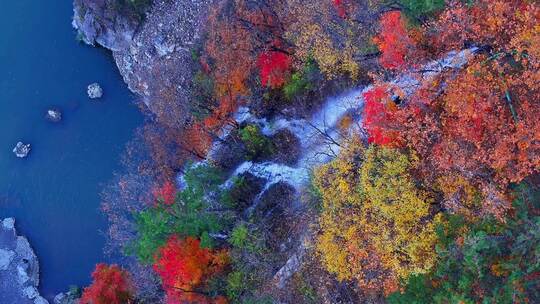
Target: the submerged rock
pixel 54 115
pixel 70 297
pixel 94 91
pixel 19 267
pixel 21 150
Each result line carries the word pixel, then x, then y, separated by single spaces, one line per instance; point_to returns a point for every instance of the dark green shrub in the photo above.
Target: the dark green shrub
pixel 302 81
pixel 420 10
pixel 257 145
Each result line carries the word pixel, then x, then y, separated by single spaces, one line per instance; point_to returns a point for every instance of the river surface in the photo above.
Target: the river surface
pixel 54 193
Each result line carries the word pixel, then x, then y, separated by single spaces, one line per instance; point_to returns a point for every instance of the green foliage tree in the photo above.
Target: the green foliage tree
pixel 420 10
pixel 302 81
pixel 486 261
pixel 191 215
pixel 257 145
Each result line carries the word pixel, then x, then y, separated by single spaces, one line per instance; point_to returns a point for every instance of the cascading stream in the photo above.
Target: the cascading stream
pixel 320 135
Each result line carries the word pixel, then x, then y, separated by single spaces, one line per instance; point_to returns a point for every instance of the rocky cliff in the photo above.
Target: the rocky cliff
pixel 19 267
pixel 152 51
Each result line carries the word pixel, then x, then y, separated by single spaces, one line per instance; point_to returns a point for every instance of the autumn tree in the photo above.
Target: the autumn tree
pixel 393 41
pixel 273 68
pixel 476 122
pixel 317 30
pixel 165 194
pixel 376 225
pixel 378 113
pixel 111 285
pixel 484 261
pixel 184 267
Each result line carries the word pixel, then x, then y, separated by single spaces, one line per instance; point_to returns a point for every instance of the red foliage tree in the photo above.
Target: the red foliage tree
pixel 340 7
pixel 184 266
pixel 273 68
pixel 394 41
pixel 165 194
pixel 378 112
pixel 111 285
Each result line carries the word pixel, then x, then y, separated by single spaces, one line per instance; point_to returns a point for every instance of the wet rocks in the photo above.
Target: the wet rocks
pixel 243 191
pixel 229 153
pixel 286 147
pixel 94 91
pixel 70 297
pixel 53 115
pixel 21 150
pixel 19 267
pixel 6 256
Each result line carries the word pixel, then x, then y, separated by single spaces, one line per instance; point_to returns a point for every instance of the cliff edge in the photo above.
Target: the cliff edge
pixel 19 267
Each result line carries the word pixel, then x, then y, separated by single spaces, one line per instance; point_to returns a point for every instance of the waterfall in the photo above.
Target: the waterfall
pixel 319 135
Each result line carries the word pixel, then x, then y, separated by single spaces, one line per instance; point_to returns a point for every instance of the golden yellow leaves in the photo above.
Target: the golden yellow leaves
pixel 374 218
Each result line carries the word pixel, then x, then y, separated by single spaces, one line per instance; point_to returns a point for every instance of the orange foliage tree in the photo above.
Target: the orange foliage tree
pixel 480 122
pixel 184 267
pixel 394 41
pixel 111 285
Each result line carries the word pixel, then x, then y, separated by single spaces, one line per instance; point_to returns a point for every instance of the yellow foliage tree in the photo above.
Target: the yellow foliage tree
pixel 376 225
pixel 333 36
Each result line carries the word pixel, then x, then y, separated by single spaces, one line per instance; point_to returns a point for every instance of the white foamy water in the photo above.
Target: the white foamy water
pixel 320 135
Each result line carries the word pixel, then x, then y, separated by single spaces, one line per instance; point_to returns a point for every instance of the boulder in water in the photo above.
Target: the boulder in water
pixel 54 115
pixel 94 91
pixel 21 150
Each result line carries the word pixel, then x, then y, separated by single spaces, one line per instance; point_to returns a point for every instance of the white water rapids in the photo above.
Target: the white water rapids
pixel 320 135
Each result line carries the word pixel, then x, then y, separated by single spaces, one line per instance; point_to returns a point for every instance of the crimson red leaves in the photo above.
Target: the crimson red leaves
pixel 184 266
pixel 165 194
pixel 378 112
pixel 340 7
pixel 112 285
pixel 274 67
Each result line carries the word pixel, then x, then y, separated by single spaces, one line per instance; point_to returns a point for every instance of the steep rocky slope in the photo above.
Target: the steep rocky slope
pixel 19 267
pixel 152 50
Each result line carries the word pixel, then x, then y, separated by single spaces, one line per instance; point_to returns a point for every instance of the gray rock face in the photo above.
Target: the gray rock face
pixel 158 63
pixel 6 256
pixel 109 23
pixel 154 56
pixel 21 150
pixel 19 267
pixel 94 91
pixel 54 115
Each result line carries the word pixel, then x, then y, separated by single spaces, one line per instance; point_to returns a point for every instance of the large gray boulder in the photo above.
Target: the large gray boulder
pixel 19 267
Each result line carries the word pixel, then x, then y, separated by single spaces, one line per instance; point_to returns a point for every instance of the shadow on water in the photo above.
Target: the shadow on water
pixel 54 193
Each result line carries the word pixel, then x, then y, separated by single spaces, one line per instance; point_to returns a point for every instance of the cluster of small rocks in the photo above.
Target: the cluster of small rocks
pixel 19 267
pixel 21 150
pixel 94 91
